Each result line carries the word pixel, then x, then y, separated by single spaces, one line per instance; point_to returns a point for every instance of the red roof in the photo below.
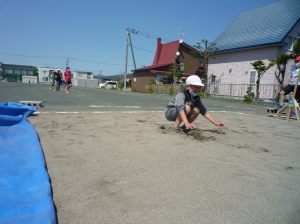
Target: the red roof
pixel 165 54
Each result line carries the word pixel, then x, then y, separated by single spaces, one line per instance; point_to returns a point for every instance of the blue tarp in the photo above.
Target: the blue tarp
pixel 25 189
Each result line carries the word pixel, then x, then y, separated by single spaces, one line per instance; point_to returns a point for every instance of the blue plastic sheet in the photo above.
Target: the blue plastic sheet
pixel 25 189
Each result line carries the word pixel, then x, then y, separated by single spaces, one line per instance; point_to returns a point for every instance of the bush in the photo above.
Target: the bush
pixel 249 97
pixel 172 90
pixel 150 89
pixel 203 94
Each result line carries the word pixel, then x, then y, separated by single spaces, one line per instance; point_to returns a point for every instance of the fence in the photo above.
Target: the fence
pixel 267 92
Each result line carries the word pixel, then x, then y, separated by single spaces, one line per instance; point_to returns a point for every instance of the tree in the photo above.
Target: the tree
pixel 296 47
pixel 35 71
pixel 281 61
pixel 173 72
pixel 205 48
pixel 260 67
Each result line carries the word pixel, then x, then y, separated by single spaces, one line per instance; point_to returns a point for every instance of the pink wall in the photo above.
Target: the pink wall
pixel 235 67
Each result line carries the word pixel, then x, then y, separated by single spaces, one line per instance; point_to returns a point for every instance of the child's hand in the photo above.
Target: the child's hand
pixel 190 126
pixel 219 124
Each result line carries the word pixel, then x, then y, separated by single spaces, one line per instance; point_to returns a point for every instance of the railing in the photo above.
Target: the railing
pixel 267 92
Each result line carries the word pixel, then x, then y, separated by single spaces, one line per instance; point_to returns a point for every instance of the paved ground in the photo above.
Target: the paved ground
pixel 122 162
pixel 82 99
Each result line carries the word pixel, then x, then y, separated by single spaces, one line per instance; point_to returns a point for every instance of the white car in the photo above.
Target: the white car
pixel 108 85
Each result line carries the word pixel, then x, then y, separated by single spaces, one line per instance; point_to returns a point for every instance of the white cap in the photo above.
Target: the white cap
pixel 194 80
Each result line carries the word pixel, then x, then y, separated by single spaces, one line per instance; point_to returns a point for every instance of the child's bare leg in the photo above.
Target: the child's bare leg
pixel 179 120
pixel 194 114
pixel 281 96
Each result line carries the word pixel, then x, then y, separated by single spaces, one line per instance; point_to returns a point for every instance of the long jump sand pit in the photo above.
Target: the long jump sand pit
pixel 119 167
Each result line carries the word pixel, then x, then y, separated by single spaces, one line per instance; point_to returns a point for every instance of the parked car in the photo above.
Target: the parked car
pixel 108 85
pixel 165 81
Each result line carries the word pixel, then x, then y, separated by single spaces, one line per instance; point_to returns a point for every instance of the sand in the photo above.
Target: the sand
pixel 115 167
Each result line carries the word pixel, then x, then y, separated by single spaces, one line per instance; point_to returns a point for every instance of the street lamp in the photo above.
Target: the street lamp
pixel 176 64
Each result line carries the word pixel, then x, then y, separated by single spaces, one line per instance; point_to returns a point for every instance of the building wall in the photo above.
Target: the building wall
pixel 82 75
pixel 44 74
pixel 14 73
pixel 191 62
pixel 86 83
pixel 141 79
pixel 235 67
pixel 29 79
pixel 290 38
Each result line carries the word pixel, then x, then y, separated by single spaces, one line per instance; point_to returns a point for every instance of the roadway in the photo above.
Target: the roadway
pixel 84 99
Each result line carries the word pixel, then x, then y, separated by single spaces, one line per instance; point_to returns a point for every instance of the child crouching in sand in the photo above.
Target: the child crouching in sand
pixel 186 106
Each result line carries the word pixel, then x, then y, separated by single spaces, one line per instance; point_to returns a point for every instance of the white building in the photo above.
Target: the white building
pixel 84 79
pixel 82 75
pixel 79 78
pixel 44 74
pixel 29 79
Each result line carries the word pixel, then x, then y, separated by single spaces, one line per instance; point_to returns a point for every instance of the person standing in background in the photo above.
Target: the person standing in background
pixel 291 86
pixel 58 76
pixel 52 80
pixel 68 81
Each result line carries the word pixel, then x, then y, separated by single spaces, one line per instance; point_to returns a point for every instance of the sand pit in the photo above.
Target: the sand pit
pixel 119 167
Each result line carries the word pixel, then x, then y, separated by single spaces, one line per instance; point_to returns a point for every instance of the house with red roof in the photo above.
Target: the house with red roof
pixel 167 57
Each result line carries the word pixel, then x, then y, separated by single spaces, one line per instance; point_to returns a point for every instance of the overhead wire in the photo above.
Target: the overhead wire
pixel 133 31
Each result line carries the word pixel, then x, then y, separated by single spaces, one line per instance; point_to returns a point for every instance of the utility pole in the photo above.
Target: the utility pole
pixel 131 47
pixel 100 76
pixel 126 59
pixel 67 62
pixel 129 42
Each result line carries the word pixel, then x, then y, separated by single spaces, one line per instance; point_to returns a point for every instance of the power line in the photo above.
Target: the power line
pixel 60 57
pixel 31 56
pixel 147 35
pixel 143 49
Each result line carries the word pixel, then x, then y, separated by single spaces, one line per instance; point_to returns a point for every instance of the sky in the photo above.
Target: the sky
pixel 91 34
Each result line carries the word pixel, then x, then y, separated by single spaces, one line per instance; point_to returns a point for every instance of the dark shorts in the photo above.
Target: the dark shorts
pixel 171 113
pixel 290 88
pixel 68 82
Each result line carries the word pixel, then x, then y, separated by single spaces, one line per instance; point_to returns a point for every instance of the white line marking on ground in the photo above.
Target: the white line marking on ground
pixel 232 112
pixel 66 112
pixel 125 112
pixel 246 108
pixel 131 112
pixel 107 106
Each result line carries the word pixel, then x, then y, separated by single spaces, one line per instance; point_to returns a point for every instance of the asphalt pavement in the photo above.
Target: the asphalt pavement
pixel 88 99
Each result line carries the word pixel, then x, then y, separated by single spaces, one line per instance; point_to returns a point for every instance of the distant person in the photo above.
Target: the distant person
pixel 186 106
pixel 291 86
pixel 68 81
pixel 58 79
pixel 52 80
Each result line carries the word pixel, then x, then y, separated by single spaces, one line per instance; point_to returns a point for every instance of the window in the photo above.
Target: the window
pixel 252 77
pixel 17 71
pixel 8 71
pixel 23 72
pixel 29 72
pixel 213 79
